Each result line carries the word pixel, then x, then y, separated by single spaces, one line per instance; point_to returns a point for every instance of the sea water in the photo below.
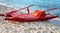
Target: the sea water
pixel 38 4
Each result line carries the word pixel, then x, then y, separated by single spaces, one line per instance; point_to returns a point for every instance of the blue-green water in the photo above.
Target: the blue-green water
pixel 46 3
pixel 39 4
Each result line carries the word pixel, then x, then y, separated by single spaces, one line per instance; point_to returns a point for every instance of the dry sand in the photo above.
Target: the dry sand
pixel 26 27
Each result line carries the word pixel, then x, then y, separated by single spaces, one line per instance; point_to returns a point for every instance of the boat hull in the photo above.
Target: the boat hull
pixel 31 19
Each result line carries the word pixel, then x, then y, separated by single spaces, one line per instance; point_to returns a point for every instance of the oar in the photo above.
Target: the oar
pixel 50 9
pixel 25 7
pixel 14 11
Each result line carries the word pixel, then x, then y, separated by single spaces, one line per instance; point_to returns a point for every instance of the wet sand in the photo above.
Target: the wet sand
pixel 26 27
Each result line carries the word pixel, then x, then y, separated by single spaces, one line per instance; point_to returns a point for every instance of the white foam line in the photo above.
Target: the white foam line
pixel 3 4
pixel 7 5
pixel 58 19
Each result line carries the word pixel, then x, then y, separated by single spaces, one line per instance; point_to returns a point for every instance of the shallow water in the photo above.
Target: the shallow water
pixel 55 21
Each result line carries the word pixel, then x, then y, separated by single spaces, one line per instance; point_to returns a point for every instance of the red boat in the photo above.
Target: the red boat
pixel 38 15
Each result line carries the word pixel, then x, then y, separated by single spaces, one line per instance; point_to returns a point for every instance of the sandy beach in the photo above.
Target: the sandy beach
pixel 27 27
